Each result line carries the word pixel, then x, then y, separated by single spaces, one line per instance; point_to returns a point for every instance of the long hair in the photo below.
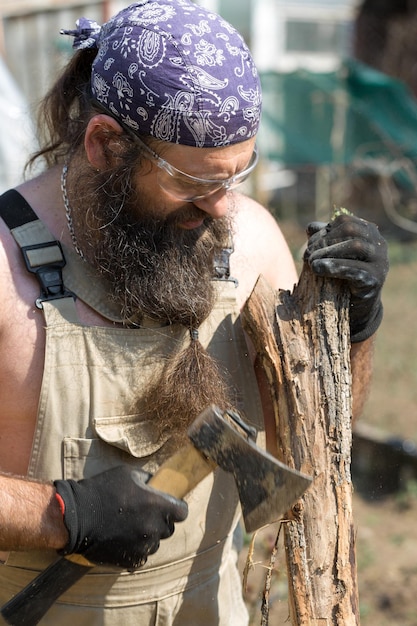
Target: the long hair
pixel 65 111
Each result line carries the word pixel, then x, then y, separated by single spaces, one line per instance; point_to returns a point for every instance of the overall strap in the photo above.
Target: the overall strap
pixel 14 209
pixel 45 259
pixel 59 269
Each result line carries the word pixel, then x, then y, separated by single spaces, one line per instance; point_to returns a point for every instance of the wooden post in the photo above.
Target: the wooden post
pixel 303 341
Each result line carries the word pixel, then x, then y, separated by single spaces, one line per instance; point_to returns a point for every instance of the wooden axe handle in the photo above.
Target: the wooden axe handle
pixel 176 477
pixel 182 472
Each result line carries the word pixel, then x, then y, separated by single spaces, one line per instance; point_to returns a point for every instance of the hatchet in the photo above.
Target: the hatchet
pixel 267 489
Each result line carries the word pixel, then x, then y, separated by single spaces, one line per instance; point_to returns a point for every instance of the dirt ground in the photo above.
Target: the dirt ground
pixel 385 486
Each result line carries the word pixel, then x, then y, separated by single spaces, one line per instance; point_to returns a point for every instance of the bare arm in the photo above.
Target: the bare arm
pixel 30 517
pixel 259 248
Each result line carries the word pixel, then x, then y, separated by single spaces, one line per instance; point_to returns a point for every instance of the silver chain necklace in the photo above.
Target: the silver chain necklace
pixel 68 213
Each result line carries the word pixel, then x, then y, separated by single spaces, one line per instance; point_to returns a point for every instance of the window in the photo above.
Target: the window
pixel 315 36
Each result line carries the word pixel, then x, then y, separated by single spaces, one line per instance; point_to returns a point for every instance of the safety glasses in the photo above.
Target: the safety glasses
pixel 190 188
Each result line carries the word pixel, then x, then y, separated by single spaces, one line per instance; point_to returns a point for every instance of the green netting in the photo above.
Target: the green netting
pixel 337 117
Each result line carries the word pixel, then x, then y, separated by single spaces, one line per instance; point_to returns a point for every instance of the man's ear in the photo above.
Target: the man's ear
pixel 101 145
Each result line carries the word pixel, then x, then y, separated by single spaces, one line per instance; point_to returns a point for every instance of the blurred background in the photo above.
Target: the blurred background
pixel 339 129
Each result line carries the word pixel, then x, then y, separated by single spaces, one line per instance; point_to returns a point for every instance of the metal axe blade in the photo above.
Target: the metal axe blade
pixel 267 488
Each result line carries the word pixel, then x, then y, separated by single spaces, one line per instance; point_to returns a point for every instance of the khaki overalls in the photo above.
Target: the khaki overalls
pixel 92 378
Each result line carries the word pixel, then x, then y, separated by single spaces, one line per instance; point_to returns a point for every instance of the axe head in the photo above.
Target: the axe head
pixel 267 488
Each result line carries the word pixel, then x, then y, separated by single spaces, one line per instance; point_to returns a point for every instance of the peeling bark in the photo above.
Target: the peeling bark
pixel 303 341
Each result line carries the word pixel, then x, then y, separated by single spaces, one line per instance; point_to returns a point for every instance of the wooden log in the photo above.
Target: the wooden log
pixel 303 341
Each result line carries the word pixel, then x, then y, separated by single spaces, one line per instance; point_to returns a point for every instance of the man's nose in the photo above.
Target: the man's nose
pixel 216 205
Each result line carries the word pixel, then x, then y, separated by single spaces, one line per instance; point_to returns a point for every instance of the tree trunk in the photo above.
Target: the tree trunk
pixel 303 341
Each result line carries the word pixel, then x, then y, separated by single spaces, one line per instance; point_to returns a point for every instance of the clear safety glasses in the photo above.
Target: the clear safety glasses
pixel 190 188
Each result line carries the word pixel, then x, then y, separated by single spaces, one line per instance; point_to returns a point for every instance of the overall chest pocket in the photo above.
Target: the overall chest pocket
pixel 120 440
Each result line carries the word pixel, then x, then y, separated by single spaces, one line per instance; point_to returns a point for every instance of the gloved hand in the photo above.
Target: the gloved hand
pixel 352 249
pixel 115 518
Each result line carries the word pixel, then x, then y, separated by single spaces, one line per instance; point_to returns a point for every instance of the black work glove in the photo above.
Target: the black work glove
pixel 352 249
pixel 115 518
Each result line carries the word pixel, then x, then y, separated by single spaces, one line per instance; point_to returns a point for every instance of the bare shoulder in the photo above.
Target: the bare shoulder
pixel 9 268
pixel 260 248
pixel 18 290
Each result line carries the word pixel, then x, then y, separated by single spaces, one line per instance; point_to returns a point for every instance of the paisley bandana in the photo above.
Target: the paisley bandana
pixel 174 70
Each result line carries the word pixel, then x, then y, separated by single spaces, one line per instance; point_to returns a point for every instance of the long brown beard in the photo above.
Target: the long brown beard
pixel 159 270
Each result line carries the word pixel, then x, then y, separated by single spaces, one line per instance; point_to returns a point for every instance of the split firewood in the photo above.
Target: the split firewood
pixel 303 341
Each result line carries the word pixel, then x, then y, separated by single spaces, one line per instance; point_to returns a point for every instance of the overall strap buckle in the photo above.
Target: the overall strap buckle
pixel 46 261
pixel 221 265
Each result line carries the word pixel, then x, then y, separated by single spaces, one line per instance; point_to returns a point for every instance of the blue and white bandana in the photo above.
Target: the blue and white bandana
pixel 176 71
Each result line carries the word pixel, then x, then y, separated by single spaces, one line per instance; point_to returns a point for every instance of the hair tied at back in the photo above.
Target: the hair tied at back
pixel 194 334
pixel 86 35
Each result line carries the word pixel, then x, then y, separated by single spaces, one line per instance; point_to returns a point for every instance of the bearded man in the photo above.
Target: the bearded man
pixel 125 264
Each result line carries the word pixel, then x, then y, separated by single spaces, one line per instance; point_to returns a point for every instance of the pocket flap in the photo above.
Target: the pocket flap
pixel 140 438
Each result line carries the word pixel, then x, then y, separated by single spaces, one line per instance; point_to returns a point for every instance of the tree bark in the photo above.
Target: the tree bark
pixel 303 341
